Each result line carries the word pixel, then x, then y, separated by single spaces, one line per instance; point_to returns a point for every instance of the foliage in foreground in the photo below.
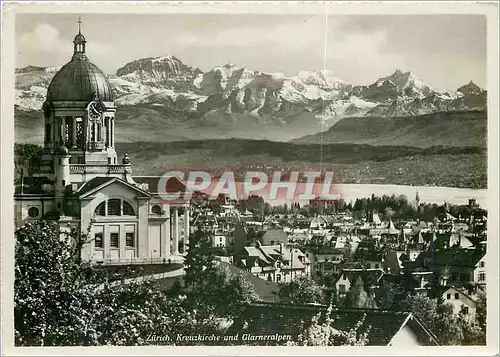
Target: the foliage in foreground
pixel 58 301
pixel 61 301
pixel 449 328
pixel 324 334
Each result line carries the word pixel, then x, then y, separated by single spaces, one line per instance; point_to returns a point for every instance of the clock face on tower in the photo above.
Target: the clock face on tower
pixel 95 110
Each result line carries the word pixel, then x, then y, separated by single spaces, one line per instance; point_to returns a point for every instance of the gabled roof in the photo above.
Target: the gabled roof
pixel 292 260
pixel 444 289
pixel 93 184
pixel 319 219
pixel 380 325
pixel 370 277
pixel 375 218
pixel 98 183
pixel 256 252
pixel 274 234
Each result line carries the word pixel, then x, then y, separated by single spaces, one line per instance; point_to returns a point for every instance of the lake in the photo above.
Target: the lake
pixel 427 194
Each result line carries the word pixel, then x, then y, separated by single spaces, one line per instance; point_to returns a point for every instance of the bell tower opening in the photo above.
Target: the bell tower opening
pixel 79 43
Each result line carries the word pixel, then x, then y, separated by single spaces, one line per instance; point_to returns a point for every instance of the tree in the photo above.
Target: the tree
pixel 324 334
pixel 390 295
pixel 59 300
pixel 357 297
pixel 238 292
pixel 199 261
pixel 481 309
pixel 347 254
pixel 302 290
pixel 447 325
pixel 211 289
pixel 27 158
pixel 47 282
pixel 438 316
pixel 388 213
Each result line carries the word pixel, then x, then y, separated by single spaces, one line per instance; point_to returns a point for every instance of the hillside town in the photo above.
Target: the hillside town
pixel 444 254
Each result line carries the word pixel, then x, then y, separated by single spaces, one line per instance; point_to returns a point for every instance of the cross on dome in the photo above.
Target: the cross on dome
pixel 79 25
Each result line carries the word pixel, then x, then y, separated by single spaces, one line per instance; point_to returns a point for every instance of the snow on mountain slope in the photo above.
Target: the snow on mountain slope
pixel 161 72
pixel 323 79
pixel 238 93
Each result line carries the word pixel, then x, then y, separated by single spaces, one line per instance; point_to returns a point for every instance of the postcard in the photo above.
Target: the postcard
pixel 250 178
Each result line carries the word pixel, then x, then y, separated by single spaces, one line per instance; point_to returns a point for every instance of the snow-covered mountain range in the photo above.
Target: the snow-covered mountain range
pixel 233 95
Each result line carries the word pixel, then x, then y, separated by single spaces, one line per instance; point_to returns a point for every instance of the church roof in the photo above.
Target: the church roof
pixel 79 79
pixel 101 182
pixel 93 183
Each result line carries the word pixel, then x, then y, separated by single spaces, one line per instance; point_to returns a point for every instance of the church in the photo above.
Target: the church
pixel 83 184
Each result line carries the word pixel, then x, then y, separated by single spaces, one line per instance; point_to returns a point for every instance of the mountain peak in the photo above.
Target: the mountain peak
pixel 168 65
pixel 165 58
pixel 470 88
pixel 324 78
pixel 397 73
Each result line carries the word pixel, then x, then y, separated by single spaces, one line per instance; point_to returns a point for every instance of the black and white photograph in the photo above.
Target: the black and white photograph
pixel 181 176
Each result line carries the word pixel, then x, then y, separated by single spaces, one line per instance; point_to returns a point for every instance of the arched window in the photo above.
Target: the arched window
pixel 114 207
pixel 128 210
pixel 101 209
pixel 156 209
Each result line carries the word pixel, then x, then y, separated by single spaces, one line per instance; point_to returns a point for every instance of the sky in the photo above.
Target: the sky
pixel 445 51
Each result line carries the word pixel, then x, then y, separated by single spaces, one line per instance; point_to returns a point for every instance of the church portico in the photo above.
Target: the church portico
pixel 82 184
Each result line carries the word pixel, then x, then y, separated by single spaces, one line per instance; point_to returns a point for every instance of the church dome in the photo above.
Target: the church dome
pixel 80 38
pixel 79 79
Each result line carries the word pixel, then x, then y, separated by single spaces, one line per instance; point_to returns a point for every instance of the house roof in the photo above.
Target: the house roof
pixel 230 219
pixel 275 234
pixel 256 252
pixel 375 218
pixel 458 257
pixel 294 263
pixel 370 277
pixel 325 249
pixel 269 319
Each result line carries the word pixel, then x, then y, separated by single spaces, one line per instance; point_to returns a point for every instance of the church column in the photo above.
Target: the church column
pixel 166 235
pixel 107 123
pixel 112 132
pixel 103 132
pixel 61 130
pixel 175 231
pixel 73 136
pixel 186 228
